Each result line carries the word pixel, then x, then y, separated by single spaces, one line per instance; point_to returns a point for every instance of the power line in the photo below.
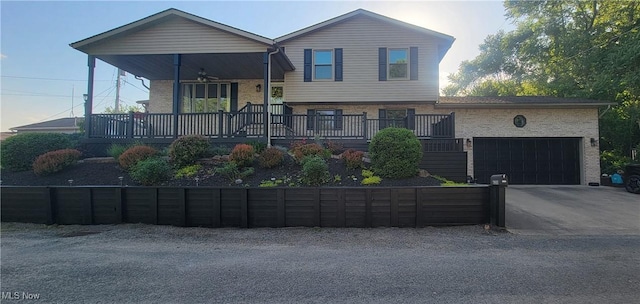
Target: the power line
pixel 41 78
pixel 133 85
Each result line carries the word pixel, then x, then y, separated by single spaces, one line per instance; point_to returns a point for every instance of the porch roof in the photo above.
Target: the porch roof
pixel 146 47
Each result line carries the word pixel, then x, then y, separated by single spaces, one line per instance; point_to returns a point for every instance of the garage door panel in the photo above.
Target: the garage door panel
pixel 528 160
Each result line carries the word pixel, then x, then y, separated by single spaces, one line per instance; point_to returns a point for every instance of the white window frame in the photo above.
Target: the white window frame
pixel 332 65
pixel 389 64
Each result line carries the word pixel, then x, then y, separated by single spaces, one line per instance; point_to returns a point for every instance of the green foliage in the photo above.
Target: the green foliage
pixel 315 171
pixel 395 153
pixel 243 155
pixel 20 151
pixel 271 157
pixel 304 150
pixel 186 150
pixel 151 171
pixel 123 109
pixel 115 150
pixel 367 173
pixel 371 180
pixel 220 150
pixel 55 161
pixel 188 171
pixel 337 178
pixel 353 159
pixel 232 171
pixel 611 162
pixel 258 146
pixel 135 154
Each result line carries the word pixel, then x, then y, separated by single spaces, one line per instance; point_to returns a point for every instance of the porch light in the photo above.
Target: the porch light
pixel 258 88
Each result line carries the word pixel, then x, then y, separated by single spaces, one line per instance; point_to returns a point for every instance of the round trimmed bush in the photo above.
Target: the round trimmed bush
pixel 134 155
pixel 315 170
pixel 395 153
pixel 186 150
pixel 20 151
pixel 243 155
pixel 151 171
pixel 55 161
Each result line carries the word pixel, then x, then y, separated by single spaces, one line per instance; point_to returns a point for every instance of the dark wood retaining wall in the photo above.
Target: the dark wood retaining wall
pixel 250 207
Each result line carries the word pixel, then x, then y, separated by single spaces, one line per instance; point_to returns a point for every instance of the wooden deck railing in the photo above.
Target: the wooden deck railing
pixel 249 121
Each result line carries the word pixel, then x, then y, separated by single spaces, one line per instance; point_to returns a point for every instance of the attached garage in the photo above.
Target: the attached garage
pixel 541 161
pixel 533 139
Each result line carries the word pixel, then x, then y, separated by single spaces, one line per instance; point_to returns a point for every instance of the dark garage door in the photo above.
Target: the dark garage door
pixel 541 161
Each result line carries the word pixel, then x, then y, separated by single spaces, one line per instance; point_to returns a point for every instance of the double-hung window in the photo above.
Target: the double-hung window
pixel 398 64
pixel 323 64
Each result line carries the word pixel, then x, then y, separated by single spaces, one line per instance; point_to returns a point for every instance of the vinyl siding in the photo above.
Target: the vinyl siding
pixel 176 35
pixel 360 38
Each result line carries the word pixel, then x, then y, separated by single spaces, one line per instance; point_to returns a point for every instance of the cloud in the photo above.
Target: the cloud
pixel 3 56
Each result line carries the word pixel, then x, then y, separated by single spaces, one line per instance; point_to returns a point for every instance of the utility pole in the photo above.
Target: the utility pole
pixel 117 105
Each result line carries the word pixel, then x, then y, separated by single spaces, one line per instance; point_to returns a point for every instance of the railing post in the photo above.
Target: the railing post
pixel 228 116
pixel 453 124
pixel 315 123
pixel 221 123
pixel 364 125
pixel 130 125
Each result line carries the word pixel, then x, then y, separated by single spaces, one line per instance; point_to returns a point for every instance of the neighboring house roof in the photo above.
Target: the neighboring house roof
pixel 448 40
pixel 69 123
pixel 517 101
pixel 142 23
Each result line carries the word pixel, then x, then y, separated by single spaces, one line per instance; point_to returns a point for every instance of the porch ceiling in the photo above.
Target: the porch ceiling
pixel 222 66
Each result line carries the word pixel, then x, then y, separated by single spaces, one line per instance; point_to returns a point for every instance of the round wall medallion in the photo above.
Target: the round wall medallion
pixel 519 121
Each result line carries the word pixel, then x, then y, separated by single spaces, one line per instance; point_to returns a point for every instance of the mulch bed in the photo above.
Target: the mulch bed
pixel 107 173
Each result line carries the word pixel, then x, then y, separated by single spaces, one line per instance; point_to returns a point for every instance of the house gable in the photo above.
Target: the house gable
pixel 360 38
pixel 173 31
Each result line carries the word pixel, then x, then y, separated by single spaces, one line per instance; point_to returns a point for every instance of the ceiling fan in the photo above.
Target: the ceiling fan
pixel 203 77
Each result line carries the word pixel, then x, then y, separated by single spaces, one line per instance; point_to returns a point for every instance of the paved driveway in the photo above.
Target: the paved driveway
pixel 572 210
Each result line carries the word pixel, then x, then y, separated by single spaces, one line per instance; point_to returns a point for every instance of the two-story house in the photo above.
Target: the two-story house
pixel 343 79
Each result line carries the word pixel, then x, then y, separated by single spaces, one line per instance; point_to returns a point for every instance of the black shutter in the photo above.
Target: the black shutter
pixel 382 64
pixel 411 119
pixel 234 96
pixel 338 119
pixel 413 61
pixel 307 65
pixel 338 72
pixel 382 119
pixel 311 118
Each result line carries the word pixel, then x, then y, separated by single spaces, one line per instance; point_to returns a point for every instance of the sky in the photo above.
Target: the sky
pixel 43 78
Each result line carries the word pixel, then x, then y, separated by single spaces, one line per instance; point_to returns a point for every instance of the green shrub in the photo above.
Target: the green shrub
pixel 232 171
pixel 55 161
pixel 258 146
pixel 220 150
pixel 302 151
pixel 151 171
pixel 367 173
pixel 371 180
pixel 611 162
pixel 353 159
pixel 134 155
pixel 271 157
pixel 20 151
pixel 115 150
pixel 395 153
pixel 186 150
pixel 315 171
pixel 188 171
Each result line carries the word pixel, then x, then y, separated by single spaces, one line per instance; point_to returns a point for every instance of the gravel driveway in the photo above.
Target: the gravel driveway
pixel 161 264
